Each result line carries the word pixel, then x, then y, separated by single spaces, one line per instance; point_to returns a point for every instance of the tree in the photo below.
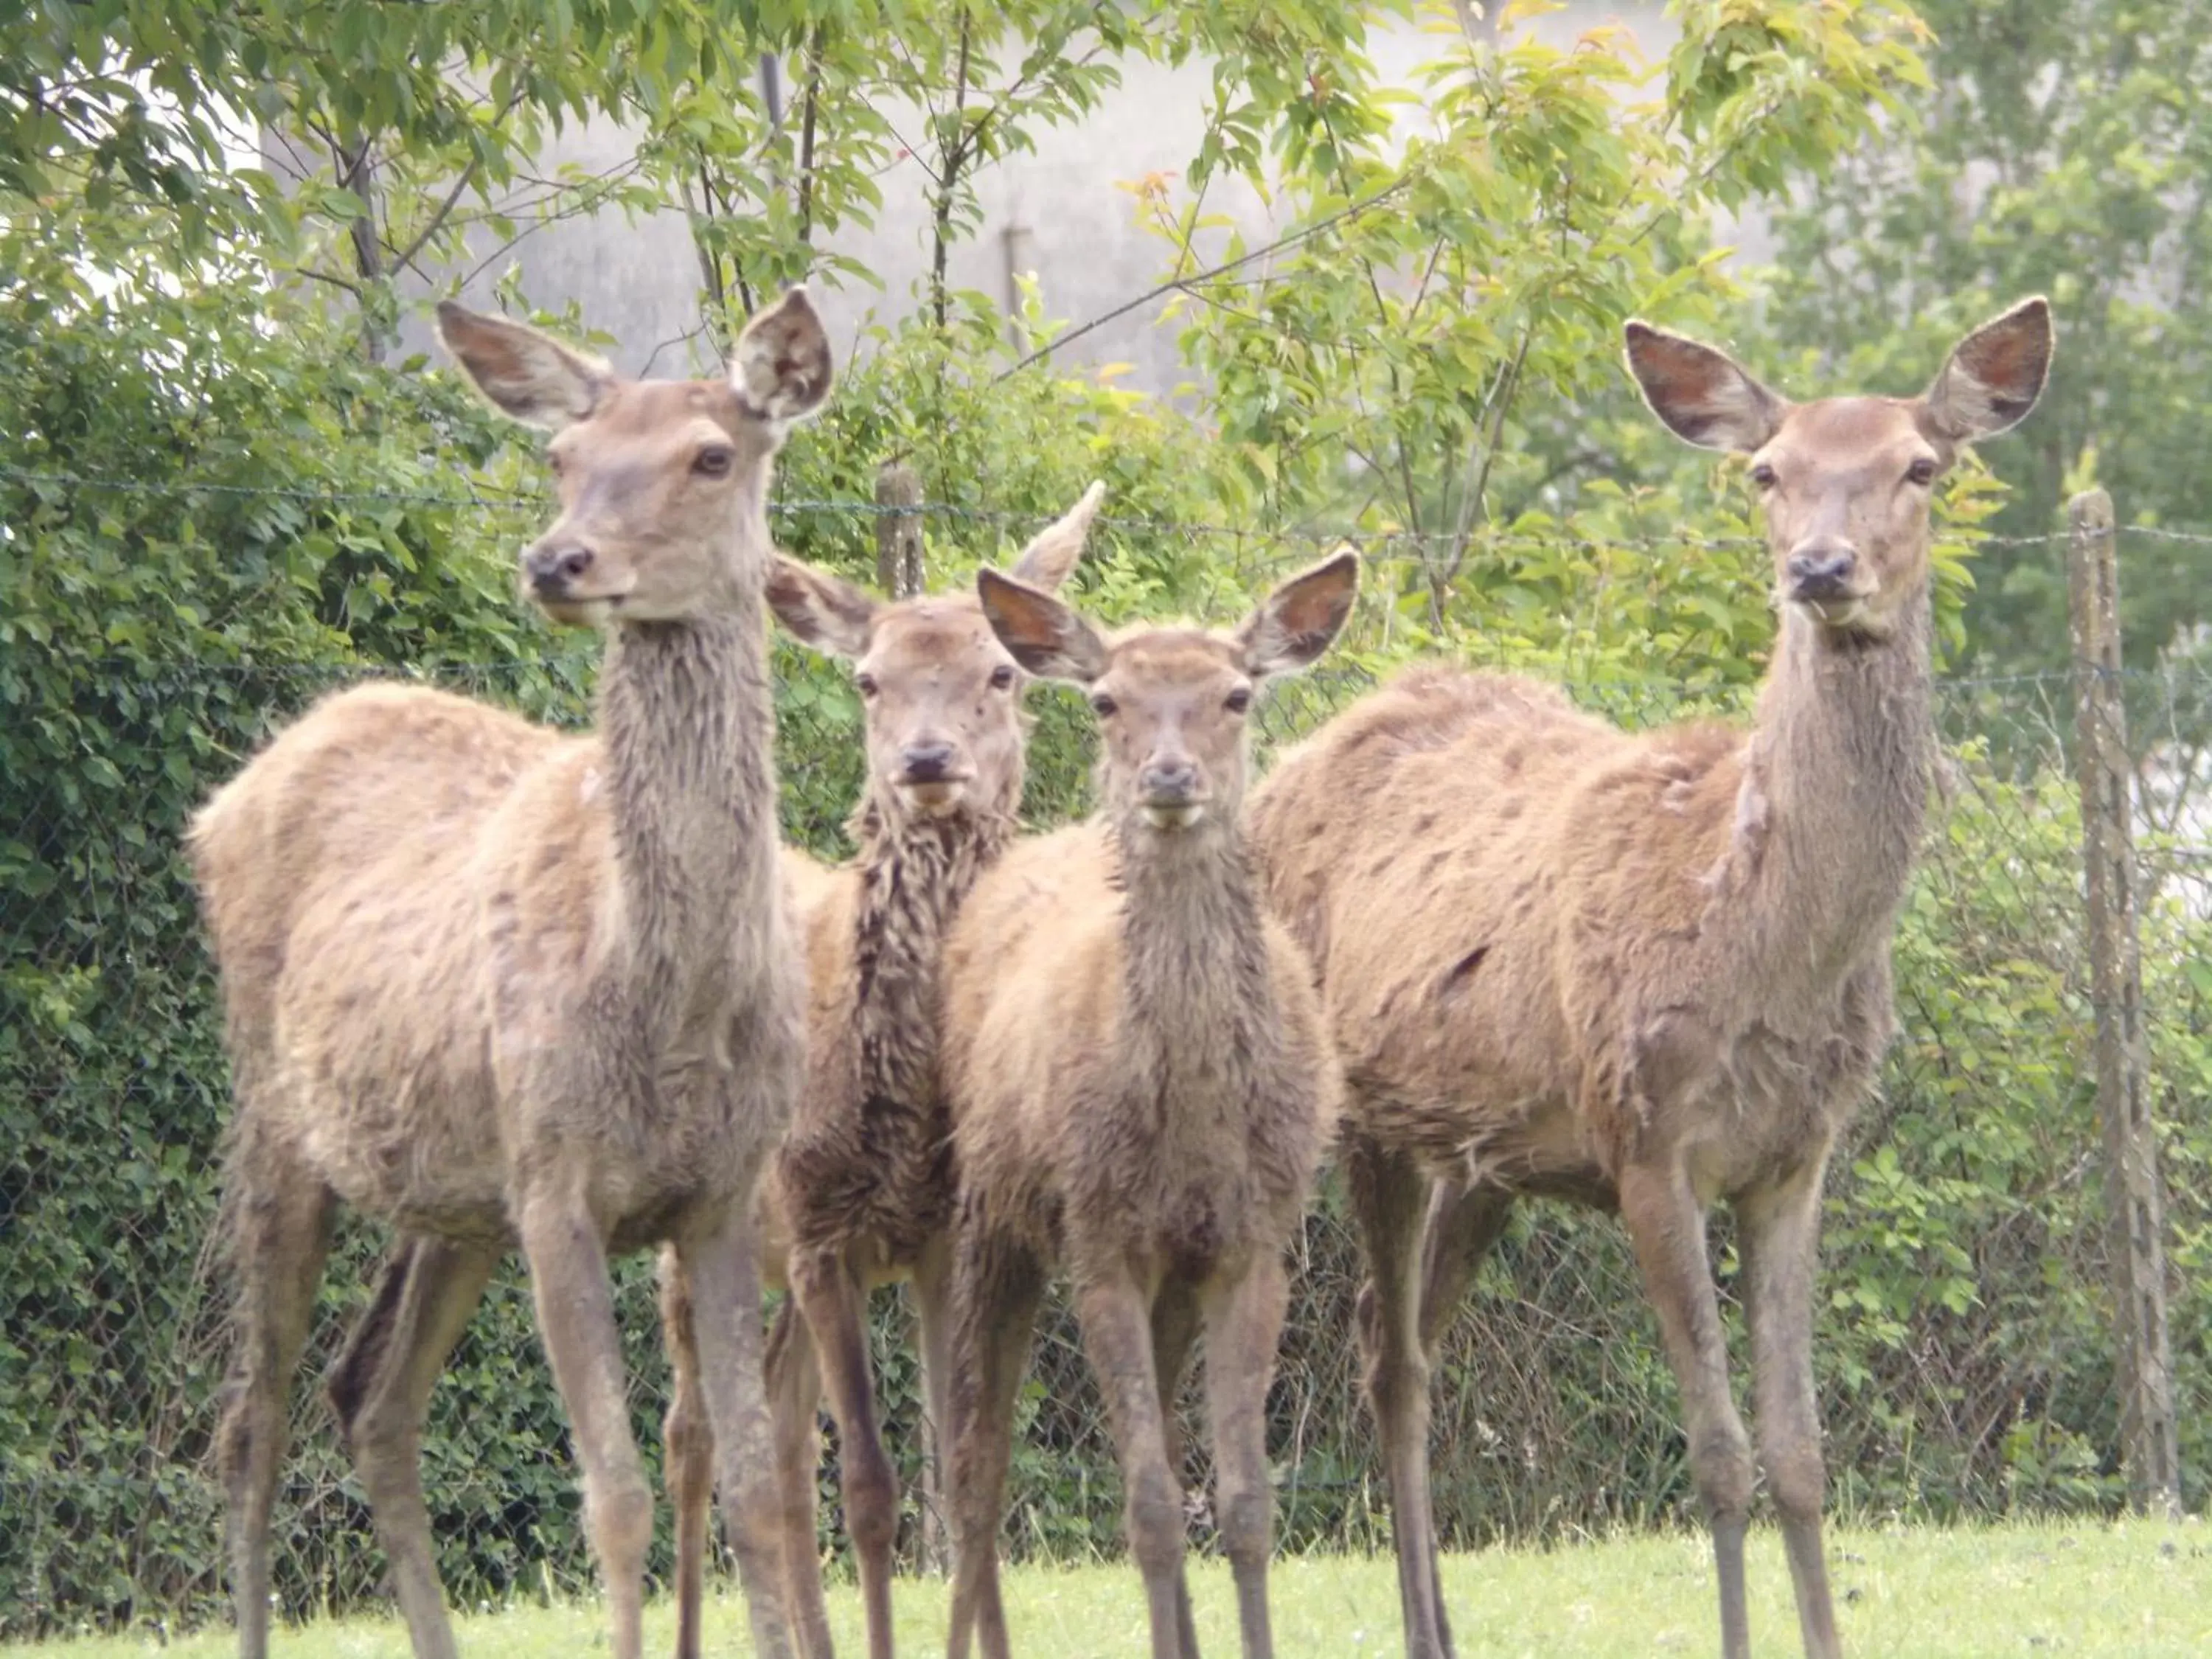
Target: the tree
pixel 2062 147
pixel 1445 315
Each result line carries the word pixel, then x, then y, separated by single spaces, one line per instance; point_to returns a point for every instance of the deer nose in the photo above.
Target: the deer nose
pixel 1822 570
pixel 928 762
pixel 550 569
pixel 1165 782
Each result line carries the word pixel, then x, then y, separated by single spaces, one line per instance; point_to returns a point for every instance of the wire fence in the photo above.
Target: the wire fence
pixel 1966 1353
pixel 527 504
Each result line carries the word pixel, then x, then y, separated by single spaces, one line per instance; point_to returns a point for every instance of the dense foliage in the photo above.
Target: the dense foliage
pixel 214 504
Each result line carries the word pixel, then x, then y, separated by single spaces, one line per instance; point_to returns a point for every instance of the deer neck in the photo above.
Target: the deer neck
pixel 1194 951
pixel 1835 787
pixel 687 724
pixel 914 871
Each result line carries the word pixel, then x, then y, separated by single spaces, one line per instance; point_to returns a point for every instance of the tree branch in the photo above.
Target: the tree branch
pixel 404 259
pixel 955 156
pixel 807 136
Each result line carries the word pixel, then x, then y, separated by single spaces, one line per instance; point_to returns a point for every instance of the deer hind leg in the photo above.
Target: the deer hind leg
pixel 1243 1326
pixel 379 1391
pixel 1116 1312
pixel 1464 1222
pixel 794 1397
pixel 1666 1225
pixel 281 1220
pixel 1390 1198
pixel 830 1295
pixel 687 1454
pixel 996 1287
pixel 1780 1239
pixel 795 1389
pixel 576 1321
pixel 1175 1327
pixel 932 1306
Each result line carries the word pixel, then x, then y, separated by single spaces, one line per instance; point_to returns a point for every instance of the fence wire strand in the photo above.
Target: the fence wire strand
pixel 478 498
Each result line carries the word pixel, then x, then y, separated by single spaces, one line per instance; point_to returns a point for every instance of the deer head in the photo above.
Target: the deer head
pixel 653 475
pixel 1171 701
pixel 940 697
pixel 1847 482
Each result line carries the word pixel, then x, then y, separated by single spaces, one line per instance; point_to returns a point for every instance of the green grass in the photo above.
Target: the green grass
pixel 2138 1590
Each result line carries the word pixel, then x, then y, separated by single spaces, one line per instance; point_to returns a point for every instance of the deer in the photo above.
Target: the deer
pixel 503 987
pixel 1141 1086
pixel 860 1193
pixel 1646 973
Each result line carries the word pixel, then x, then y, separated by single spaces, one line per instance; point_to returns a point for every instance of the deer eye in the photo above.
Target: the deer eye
pixel 1238 701
pixel 866 684
pixel 1762 476
pixel 714 461
pixel 553 462
pixel 1103 706
pixel 1002 677
pixel 1922 471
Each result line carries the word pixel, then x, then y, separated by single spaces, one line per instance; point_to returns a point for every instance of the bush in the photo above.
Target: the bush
pixel 214 510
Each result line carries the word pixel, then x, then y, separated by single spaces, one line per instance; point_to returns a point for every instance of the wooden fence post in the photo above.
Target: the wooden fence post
pixel 2133 1192
pixel 898 530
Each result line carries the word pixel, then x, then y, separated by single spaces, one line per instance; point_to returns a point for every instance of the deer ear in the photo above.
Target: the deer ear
pixel 1043 635
pixel 1297 622
pixel 820 610
pixel 521 371
pixel 782 366
pixel 1994 376
pixel 1053 551
pixel 1703 395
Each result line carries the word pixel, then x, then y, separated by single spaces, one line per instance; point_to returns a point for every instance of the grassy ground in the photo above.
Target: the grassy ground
pixel 2135 1589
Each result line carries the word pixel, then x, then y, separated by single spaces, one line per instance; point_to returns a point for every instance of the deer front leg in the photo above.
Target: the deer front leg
pixel 576 1321
pixel 1117 1333
pixel 830 1298
pixel 1175 1327
pixel 717 1257
pixel 1389 1198
pixel 1780 1240
pixel 1243 1324
pixel 1666 1225
pixel 380 1390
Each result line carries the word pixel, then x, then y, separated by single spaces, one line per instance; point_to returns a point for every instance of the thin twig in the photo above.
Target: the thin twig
pixel 1473 502
pixel 1184 284
pixel 445 208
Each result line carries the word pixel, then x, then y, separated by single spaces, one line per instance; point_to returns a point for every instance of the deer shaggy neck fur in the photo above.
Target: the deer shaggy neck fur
pixel 868 1155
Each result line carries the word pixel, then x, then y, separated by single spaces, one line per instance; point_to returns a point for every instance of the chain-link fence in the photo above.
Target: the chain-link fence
pixel 1965 1352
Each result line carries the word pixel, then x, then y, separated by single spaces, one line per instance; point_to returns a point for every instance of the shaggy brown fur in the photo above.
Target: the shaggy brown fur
pixel 1141 1088
pixel 500 986
pixel 1641 971
pixel 861 1189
